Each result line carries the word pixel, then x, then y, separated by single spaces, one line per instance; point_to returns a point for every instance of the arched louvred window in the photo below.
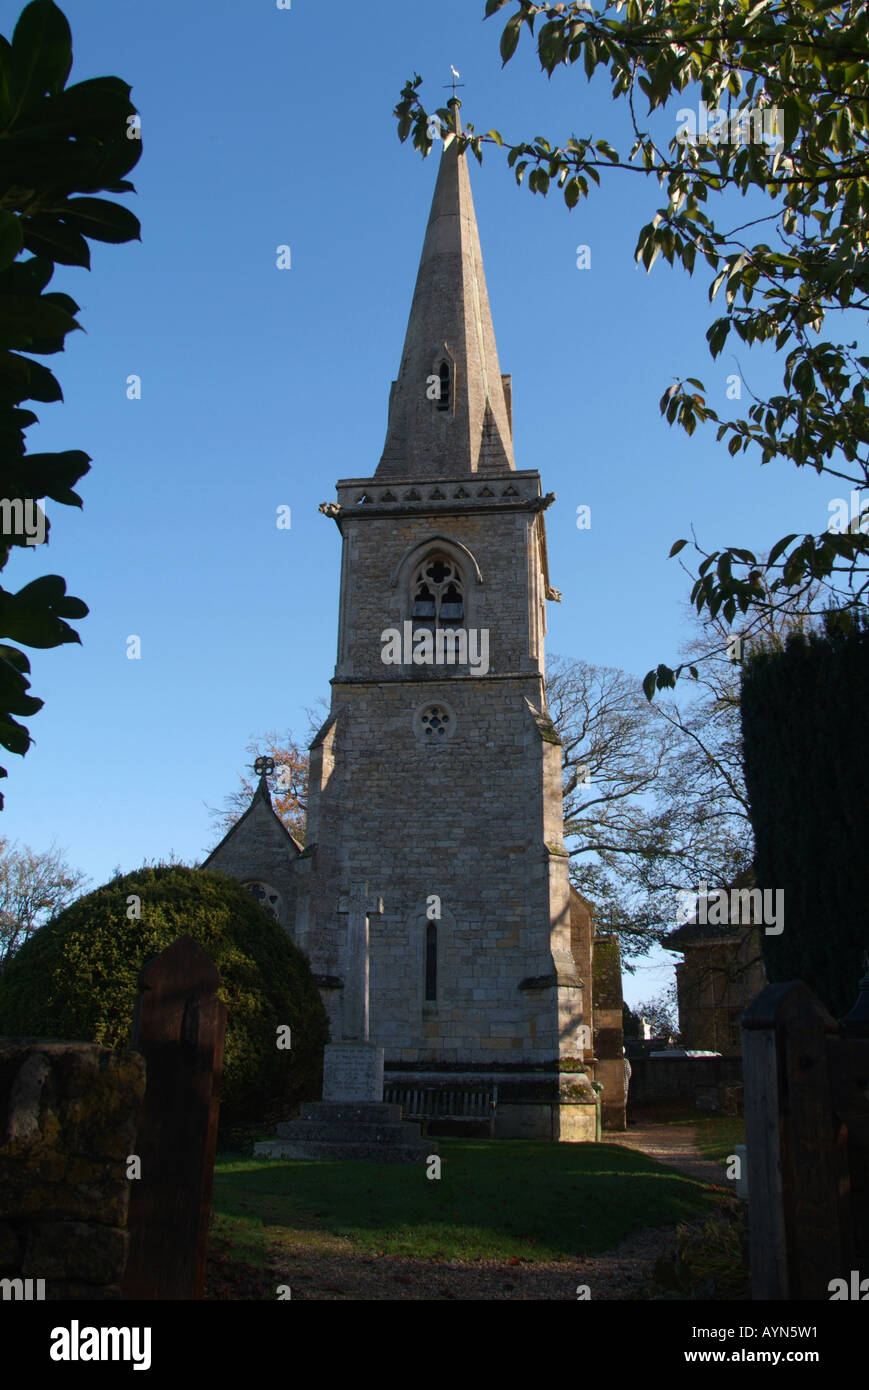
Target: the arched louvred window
pixel 444 374
pixel 431 962
pixel 437 593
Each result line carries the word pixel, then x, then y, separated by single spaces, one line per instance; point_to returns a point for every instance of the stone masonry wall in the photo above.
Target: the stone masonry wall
pixel 411 839
pixel 69 1115
pixel 473 819
pixel 679 1078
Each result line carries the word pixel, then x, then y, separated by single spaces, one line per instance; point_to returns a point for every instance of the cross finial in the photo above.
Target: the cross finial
pixel 264 767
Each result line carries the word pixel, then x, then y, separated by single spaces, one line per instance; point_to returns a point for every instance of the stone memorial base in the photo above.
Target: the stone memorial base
pixel 351 1121
pixel 368 1133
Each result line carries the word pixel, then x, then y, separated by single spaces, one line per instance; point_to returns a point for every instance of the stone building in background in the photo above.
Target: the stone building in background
pixel 721 973
pixel 436 777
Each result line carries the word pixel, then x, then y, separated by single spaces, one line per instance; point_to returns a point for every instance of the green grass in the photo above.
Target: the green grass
pixel 715 1135
pixel 503 1199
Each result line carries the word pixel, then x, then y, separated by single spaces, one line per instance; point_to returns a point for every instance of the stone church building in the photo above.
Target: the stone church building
pixel 436 778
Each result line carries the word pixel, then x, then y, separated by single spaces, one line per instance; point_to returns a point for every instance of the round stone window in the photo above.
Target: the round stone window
pixel 267 897
pixel 434 724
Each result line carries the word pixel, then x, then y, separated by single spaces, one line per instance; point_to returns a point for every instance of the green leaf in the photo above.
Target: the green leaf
pixel 5 90
pixel 14 736
pixel 46 235
pixel 24 319
pixel 52 475
pixel 34 616
pixel 780 547
pixel 41 53
pixel 99 106
pixel 24 380
pixel 675 548
pixel 510 38
pixel 101 220
pixel 716 336
pixel 649 685
pixel 11 238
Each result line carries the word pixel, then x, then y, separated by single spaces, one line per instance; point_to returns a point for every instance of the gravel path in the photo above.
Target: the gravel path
pixel 619 1274
pixel 673 1145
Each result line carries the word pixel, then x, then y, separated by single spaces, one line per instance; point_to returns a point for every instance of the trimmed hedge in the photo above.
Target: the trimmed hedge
pixel 75 978
pixel 806 761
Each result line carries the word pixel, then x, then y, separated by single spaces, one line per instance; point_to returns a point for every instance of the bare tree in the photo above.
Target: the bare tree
pixel 288 783
pixel 34 887
pixel 614 750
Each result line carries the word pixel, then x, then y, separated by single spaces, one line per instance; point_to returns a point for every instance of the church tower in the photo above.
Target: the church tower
pixel 436 778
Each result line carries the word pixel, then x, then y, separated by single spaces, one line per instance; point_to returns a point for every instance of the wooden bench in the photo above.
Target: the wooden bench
pixel 471 1104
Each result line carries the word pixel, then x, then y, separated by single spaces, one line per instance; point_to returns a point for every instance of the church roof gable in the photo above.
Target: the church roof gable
pixel 261 809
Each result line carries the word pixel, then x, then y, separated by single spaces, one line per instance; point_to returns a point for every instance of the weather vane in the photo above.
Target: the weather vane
pixel 454 83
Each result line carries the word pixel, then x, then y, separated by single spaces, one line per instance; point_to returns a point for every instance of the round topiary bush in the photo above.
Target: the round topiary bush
pixel 75 978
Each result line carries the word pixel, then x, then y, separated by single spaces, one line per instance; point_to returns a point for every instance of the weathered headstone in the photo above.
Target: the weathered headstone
pixel 178 1026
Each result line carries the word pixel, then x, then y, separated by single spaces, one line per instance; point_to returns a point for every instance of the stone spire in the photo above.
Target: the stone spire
pixel 467 428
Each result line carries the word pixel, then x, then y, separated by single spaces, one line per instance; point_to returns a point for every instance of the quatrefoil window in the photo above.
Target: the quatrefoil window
pixel 434 724
pixel 436 721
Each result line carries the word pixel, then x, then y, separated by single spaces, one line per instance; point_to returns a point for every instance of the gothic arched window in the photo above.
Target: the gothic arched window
pixel 444 374
pixel 437 593
pixel 431 962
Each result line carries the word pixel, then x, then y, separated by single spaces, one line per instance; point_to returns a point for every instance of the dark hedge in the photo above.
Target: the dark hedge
pixel 806 758
pixel 76 979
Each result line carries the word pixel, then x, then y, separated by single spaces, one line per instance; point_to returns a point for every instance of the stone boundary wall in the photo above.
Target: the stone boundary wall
pixel 681 1078
pixel 69 1115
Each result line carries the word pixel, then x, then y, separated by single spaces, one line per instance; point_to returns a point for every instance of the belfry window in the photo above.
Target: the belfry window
pixel 437 593
pixel 431 962
pixel 444 374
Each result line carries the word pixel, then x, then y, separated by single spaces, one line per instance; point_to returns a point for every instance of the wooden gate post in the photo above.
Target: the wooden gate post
pixel 178 1026
pixel 795 1217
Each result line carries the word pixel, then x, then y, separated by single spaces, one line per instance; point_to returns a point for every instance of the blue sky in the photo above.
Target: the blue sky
pixel 261 387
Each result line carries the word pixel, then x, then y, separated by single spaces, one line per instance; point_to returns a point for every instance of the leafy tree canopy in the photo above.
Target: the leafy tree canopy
pixel 60 147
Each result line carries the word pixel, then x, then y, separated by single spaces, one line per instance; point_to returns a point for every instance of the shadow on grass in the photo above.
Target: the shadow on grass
pixel 498 1199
